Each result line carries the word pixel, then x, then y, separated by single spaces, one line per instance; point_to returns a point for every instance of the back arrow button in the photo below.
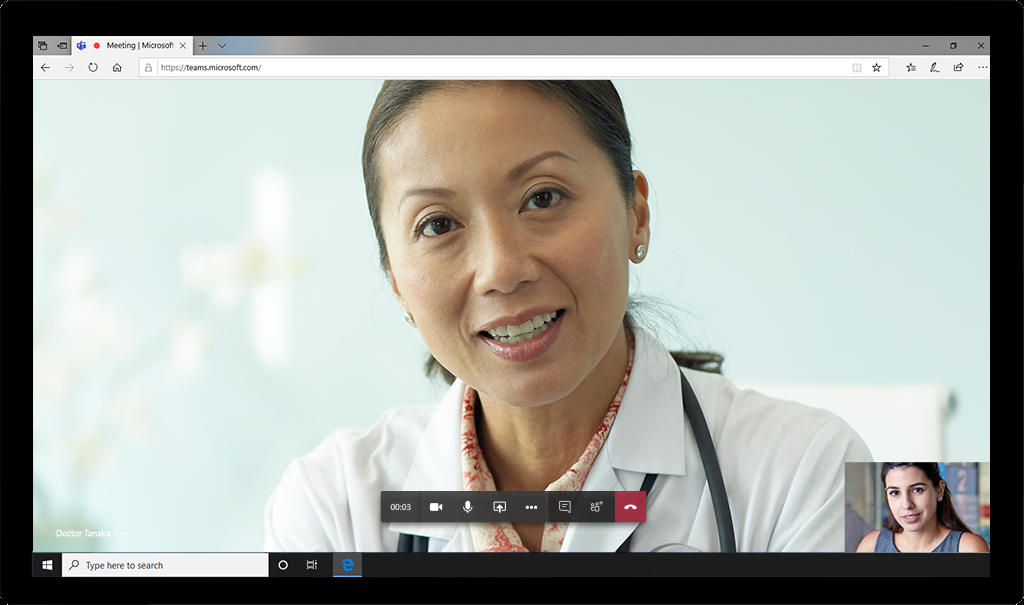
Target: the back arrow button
pixel 44 67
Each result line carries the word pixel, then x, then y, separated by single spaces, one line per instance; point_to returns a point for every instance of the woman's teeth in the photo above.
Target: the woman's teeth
pixel 527 331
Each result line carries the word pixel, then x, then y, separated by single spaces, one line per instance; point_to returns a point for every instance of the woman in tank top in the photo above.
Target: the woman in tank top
pixel 922 517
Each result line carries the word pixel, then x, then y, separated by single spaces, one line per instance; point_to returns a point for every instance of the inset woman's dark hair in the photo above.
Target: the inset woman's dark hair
pixel 597 108
pixel 944 511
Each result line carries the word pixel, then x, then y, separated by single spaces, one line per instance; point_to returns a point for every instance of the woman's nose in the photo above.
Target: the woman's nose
pixel 504 260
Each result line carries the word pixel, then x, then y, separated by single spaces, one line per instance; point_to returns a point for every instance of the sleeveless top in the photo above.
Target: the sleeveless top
pixel 950 544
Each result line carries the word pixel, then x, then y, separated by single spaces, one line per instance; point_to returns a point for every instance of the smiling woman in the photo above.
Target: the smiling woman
pixel 597 111
pixel 922 517
pixel 507 215
pixel 519 221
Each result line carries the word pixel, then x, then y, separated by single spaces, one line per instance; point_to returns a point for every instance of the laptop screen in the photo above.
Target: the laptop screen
pixel 304 304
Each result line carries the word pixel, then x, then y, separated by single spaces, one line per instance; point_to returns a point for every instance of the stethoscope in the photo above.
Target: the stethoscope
pixel 716 484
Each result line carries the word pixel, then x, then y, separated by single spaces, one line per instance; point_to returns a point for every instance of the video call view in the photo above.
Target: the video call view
pixel 331 315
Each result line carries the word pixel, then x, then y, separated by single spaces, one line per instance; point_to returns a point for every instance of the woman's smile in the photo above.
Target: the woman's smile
pixel 526 341
pixel 511 331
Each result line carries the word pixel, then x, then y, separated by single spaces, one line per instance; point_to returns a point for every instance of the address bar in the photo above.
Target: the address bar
pixel 590 67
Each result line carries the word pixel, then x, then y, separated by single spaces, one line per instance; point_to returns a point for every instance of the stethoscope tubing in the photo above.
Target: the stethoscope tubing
pixel 713 472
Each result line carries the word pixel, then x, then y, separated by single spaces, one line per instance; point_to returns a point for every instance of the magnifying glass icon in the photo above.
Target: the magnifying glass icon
pixel 74 564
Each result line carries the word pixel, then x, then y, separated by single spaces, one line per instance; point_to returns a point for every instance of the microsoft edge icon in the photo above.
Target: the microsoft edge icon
pixel 80 45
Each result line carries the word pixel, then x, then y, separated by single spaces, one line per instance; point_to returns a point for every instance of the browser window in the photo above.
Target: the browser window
pixel 228 368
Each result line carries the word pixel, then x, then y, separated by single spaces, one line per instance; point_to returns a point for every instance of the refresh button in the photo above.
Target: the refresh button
pixel 93 67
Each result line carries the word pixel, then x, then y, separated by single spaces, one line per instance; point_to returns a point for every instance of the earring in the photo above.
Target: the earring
pixel 640 251
pixel 409 320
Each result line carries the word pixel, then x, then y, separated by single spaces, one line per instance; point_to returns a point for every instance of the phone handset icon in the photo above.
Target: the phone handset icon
pixel 633 506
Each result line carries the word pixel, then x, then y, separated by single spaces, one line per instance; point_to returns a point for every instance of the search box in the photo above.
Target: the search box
pixel 164 565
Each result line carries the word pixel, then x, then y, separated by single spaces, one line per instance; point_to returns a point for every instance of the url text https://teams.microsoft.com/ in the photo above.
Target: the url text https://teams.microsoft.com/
pixel 192 67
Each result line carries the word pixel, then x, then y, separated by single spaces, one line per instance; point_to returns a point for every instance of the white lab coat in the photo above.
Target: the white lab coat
pixel 782 462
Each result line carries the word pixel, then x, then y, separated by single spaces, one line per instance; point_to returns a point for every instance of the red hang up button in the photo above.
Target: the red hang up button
pixel 630 507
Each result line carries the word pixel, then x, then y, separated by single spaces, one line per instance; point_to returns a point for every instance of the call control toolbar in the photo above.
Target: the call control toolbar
pixel 513 507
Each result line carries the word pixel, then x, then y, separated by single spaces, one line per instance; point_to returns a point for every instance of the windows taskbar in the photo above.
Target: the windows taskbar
pixel 687 564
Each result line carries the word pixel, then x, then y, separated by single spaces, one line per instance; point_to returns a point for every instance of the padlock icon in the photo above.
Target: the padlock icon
pixel 149 67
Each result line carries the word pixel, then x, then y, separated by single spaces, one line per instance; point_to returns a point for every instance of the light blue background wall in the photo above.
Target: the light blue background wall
pixel 812 231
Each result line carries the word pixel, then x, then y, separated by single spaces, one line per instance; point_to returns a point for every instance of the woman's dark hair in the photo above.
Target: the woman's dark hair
pixel 596 106
pixel 944 511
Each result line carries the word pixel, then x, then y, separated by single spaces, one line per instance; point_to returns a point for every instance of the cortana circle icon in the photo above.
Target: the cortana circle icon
pixel 282 565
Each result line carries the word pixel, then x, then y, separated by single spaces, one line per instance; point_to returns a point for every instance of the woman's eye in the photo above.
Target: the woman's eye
pixel 432 227
pixel 544 199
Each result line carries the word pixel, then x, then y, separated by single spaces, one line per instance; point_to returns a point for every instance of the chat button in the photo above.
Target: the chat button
pixel 630 507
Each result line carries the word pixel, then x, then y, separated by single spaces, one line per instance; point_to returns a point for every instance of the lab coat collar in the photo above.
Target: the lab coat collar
pixel 649 435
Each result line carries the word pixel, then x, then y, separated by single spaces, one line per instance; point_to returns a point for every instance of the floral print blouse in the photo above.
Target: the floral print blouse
pixel 502 537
